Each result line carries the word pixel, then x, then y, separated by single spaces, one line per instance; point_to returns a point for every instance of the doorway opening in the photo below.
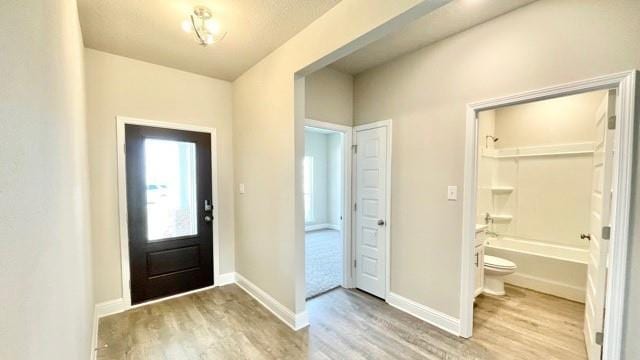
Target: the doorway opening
pixel 351 247
pixel 325 201
pixel 546 211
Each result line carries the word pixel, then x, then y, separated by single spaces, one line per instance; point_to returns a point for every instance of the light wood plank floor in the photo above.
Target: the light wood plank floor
pixel 226 323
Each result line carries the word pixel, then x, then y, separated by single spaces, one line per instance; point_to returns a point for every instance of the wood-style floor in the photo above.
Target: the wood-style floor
pixel 226 323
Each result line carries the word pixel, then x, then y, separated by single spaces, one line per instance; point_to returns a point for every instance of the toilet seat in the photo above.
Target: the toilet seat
pixel 498 263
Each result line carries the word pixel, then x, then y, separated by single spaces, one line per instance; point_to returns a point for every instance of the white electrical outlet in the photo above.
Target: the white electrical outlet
pixel 242 189
pixel 452 193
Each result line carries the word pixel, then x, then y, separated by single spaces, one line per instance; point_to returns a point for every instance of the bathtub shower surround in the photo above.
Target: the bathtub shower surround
pixel 534 190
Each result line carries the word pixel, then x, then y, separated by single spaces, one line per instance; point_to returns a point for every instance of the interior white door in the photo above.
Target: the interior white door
pixel 371 209
pixel 599 217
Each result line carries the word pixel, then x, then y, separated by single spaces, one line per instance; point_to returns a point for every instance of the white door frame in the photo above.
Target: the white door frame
pixel 616 279
pixel 347 278
pixel 121 121
pixel 389 125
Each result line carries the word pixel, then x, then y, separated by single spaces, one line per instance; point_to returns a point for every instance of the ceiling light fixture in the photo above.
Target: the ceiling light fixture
pixel 206 29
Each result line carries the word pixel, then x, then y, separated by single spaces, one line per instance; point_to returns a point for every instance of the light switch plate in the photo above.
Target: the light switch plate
pixel 452 193
pixel 242 189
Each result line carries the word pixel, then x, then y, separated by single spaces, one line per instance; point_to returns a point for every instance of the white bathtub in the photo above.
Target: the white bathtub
pixel 553 269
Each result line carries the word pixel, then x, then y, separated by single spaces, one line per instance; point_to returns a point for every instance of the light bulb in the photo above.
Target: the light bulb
pixel 187 26
pixel 212 26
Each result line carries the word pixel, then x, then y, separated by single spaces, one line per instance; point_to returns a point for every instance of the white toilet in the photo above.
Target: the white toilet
pixel 495 269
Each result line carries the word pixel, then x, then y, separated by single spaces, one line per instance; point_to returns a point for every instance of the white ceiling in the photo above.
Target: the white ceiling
pixel 150 30
pixel 445 21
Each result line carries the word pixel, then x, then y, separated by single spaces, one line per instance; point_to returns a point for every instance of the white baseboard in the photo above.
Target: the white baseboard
pixel 294 321
pixel 424 313
pixel 100 310
pixel 110 307
pixel 321 227
pixel 547 286
pixel 226 279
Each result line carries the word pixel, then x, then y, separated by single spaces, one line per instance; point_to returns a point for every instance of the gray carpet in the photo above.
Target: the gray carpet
pixel 323 261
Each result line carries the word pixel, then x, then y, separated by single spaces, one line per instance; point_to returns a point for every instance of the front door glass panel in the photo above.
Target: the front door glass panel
pixel 170 171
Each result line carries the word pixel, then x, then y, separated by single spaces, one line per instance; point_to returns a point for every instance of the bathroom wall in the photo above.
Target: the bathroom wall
pixel 551 194
pixel 562 120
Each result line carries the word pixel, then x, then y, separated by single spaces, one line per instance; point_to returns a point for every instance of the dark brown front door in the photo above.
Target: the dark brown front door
pixel 169 211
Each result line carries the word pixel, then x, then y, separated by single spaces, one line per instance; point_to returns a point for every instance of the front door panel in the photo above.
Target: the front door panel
pixel 168 211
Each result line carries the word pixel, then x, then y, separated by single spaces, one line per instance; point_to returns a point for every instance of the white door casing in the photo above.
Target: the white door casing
pixel 599 217
pixel 371 209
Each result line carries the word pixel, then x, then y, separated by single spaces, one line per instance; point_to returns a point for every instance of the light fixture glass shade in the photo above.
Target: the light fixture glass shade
pixel 206 29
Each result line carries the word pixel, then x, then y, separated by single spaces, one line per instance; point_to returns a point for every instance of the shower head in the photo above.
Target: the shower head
pixel 486 140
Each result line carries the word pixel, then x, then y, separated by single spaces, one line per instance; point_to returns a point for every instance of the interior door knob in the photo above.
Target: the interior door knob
pixel 585 236
pixel 381 222
pixel 208 218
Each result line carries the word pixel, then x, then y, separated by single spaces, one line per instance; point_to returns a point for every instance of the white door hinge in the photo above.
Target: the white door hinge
pixel 611 124
pixel 606 232
pixel 354 147
pixel 354 263
pixel 355 206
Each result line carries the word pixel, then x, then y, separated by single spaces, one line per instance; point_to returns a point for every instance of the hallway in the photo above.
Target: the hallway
pixel 226 323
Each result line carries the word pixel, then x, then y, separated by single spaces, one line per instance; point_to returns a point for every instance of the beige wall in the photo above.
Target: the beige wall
pixel 268 138
pixel 329 96
pixel 563 120
pixel 118 86
pixel 46 297
pixel 425 93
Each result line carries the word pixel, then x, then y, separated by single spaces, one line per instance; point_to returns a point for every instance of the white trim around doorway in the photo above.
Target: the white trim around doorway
pixel 121 121
pixel 347 131
pixel 617 259
pixel 389 125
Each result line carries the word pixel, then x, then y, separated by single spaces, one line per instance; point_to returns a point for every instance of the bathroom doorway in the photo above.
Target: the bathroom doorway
pixel 326 180
pixel 547 198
